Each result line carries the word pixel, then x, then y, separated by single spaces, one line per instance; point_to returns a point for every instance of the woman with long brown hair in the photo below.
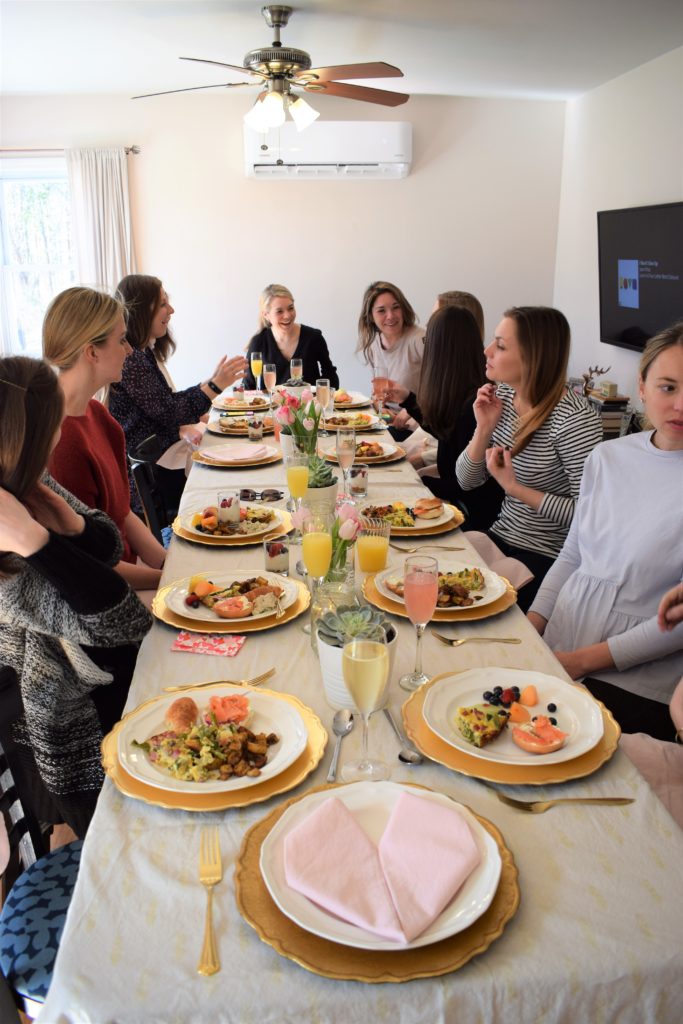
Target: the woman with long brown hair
pixel 532 436
pixel 69 625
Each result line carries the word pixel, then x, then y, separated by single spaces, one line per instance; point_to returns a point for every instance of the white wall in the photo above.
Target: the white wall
pixel 623 147
pixel 478 211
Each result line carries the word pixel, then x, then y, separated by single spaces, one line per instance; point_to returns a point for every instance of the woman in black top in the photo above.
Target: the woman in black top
pixel 453 368
pixel 282 339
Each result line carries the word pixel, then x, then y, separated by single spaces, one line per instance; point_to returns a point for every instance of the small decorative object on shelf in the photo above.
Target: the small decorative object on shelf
pixel 590 375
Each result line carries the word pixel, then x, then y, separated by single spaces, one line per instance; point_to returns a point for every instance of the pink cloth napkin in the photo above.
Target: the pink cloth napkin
pixel 225 644
pixel 425 855
pixel 235 453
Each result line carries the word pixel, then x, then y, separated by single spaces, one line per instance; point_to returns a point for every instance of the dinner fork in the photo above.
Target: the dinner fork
pixel 210 874
pixel 541 806
pixel 453 642
pixel 254 681
pixel 411 551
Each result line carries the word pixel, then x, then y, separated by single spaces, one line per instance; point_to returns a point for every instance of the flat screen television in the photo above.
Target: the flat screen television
pixel 641 272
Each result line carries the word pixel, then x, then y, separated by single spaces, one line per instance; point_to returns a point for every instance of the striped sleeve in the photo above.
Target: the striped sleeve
pixel 576 437
pixel 470 474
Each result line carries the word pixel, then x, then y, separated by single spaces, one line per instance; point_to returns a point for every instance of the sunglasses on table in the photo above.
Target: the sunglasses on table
pixel 269 494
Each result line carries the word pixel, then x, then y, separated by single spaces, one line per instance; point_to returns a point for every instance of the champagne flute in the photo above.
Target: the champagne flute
pixel 380 380
pixel 296 368
pixel 316 551
pixel 420 592
pixel 256 362
pixel 346 453
pixel 296 467
pixel 365 665
pixel 270 379
pixel 322 397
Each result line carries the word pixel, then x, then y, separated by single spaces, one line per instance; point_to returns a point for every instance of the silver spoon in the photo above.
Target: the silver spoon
pixel 342 724
pixel 406 753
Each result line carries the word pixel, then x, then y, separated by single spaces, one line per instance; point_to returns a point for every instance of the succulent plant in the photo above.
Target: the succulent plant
pixel 319 472
pixel 351 620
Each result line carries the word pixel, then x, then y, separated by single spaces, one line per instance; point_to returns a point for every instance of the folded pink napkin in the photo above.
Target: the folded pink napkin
pixel 425 855
pixel 331 860
pixel 235 453
pixel 427 852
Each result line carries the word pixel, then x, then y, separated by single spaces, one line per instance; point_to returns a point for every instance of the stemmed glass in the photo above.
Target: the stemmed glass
pixel 420 592
pixel 322 397
pixel 270 379
pixel 365 666
pixel 296 467
pixel 380 380
pixel 316 551
pixel 346 453
pixel 256 362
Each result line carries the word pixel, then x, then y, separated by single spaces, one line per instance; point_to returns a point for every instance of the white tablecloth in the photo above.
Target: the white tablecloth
pixel 597 936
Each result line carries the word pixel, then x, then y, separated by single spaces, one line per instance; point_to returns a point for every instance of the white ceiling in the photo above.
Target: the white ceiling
pixel 552 49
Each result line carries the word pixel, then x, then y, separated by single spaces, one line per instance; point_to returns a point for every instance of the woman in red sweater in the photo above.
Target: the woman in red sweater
pixel 84 337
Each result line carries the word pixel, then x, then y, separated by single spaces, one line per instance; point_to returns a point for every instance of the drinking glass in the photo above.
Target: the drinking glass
pixel 365 665
pixel 296 368
pixel 276 555
pixel 270 379
pixel 256 362
pixel 322 397
pixel 373 544
pixel 316 551
pixel 346 452
pixel 420 592
pixel 296 467
pixel 380 379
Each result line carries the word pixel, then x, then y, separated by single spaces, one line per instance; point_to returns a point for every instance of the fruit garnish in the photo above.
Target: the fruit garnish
pixel 518 713
pixel 529 696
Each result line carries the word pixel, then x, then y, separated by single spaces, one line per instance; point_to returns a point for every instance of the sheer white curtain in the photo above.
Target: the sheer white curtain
pixel 98 180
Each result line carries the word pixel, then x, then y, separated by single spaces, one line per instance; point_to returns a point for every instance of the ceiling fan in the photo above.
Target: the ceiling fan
pixel 282 70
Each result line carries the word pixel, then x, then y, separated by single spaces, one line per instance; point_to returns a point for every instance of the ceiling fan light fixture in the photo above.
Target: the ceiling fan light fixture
pixel 256 118
pixel 274 110
pixel 302 113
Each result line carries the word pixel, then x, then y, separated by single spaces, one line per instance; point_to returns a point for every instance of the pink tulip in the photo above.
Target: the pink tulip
pixel 285 415
pixel 349 529
pixel 300 516
pixel 306 395
pixel 278 398
pixel 347 511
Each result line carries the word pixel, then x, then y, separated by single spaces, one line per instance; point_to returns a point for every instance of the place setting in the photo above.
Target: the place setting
pixel 421 517
pixel 246 401
pixel 371 452
pixel 344 399
pixel 237 456
pixel 230 425
pixel 230 522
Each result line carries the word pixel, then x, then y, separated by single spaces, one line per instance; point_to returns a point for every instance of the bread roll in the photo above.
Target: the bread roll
pixel 428 508
pixel 182 714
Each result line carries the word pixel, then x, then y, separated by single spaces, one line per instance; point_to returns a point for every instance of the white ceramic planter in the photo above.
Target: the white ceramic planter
pixel 336 692
pixel 323 497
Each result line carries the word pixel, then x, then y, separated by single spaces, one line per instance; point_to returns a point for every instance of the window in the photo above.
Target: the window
pixel 36 247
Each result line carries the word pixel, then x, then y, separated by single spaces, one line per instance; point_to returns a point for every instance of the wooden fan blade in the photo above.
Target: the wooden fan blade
pixel 378 69
pixel 194 88
pixel 358 92
pixel 221 64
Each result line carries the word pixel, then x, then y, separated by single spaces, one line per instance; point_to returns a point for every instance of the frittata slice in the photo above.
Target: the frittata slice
pixel 481 723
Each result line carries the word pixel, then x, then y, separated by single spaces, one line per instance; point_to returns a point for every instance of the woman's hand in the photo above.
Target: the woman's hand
pixel 53 512
pixel 401 420
pixel 499 466
pixel 394 392
pixel 487 408
pixel 19 532
pixel 585 660
pixel 537 621
pixel 670 611
pixel 191 434
pixel 228 371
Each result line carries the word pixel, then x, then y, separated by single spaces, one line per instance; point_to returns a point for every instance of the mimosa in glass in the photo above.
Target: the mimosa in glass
pixel 296 468
pixel 296 368
pixel 346 453
pixel 316 551
pixel 373 544
pixel 322 397
pixel 380 380
pixel 270 379
pixel 365 666
pixel 420 592
pixel 256 362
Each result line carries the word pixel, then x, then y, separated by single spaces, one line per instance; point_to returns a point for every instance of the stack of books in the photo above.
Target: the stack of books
pixel 612 411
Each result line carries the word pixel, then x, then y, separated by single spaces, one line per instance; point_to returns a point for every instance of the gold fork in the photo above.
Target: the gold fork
pixel 541 806
pixel 411 551
pixel 210 874
pixel 451 642
pixel 254 681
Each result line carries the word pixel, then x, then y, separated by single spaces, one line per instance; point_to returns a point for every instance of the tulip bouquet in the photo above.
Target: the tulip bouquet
pixel 344 531
pixel 299 416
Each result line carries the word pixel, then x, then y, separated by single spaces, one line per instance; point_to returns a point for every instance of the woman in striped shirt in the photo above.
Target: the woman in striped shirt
pixel 532 436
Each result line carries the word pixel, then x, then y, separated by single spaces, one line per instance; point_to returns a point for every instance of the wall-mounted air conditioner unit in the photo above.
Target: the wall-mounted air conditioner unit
pixel 330 149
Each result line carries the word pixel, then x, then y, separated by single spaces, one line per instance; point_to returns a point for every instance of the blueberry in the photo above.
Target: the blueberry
pixel 534 718
pixel 498 690
pixel 553 721
pixel 552 707
pixel 488 695
pixel 505 703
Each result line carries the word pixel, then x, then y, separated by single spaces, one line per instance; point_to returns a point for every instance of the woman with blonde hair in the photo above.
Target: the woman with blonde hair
pixel 533 436
pixel 69 625
pixel 84 338
pixel 281 339
pixel 598 606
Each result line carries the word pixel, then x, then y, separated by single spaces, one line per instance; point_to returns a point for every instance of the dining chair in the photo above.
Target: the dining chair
pixel 34 911
pixel 143 469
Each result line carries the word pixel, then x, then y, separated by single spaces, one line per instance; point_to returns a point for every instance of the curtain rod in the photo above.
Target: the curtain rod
pixel 55 149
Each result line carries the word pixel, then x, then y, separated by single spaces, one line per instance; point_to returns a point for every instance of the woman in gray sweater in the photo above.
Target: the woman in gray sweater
pixel 69 625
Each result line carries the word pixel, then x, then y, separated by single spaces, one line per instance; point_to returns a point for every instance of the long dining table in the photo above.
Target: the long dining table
pixel 596 935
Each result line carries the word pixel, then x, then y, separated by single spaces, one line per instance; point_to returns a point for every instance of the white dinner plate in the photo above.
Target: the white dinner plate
pixel 275 522
pixel 243 404
pixel 387 451
pixel 494 585
pixel 214 427
pixel 370 420
pixel 577 714
pixel 269 714
pixel 175 598
pixel 420 524
pixel 371 804
pixel 235 456
pixel 358 400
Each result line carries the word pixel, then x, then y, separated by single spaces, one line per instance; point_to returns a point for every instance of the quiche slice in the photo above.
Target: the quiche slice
pixel 481 723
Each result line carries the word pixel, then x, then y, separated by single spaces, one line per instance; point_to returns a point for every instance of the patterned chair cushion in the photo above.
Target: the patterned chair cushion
pixel 32 920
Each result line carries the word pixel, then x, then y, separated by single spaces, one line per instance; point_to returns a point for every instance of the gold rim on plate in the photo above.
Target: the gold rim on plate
pixel 238 432
pixel 485 611
pixel 240 406
pixel 201 458
pixel 286 780
pixel 161 610
pixel 332 960
pixel 493 771
pixel 453 523
pixel 284 527
pixel 372 460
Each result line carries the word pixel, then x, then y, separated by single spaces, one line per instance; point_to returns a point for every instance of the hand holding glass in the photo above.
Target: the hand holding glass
pixel 365 665
pixel 420 592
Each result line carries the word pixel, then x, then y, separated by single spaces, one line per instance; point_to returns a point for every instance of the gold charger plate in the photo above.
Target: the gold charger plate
pixel 241 406
pixel 485 611
pixel 371 460
pixel 286 780
pixel 507 774
pixel 199 457
pixel 161 610
pixel 332 960
pixel 283 528
pixel 236 431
